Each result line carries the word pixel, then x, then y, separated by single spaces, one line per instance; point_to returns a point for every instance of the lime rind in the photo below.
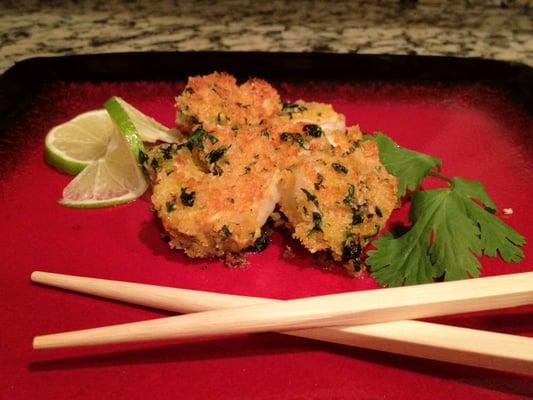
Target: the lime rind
pixel 150 130
pixel 100 203
pixel 63 162
pixel 62 141
pixel 121 118
pixel 114 179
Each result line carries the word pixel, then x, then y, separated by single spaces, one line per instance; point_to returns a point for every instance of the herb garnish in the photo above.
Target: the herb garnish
pixel 310 197
pixel 214 155
pixel 171 204
pixel 154 164
pixel 313 130
pixel 357 216
pixel 294 137
pixel 261 243
pixel 349 199
pixel 167 152
pixel 197 138
pixel 298 138
pixel 292 108
pixel 409 166
pixel 143 157
pixel 187 199
pixel 317 221
pixel 319 180
pixel 450 227
pixel 225 232
pixel 351 253
pixel 339 168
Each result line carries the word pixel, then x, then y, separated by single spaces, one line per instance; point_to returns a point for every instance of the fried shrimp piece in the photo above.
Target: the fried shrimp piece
pixel 338 200
pixel 313 113
pixel 303 127
pixel 246 152
pixel 215 101
pixel 218 211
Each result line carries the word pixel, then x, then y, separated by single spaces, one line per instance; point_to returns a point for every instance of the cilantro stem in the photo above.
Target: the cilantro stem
pixel 441 177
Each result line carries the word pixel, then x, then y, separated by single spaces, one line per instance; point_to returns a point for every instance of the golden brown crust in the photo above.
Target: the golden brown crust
pixel 245 150
pixel 217 101
pixel 228 209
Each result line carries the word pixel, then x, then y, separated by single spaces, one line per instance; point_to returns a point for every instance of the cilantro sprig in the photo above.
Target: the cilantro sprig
pixel 450 227
pixel 410 167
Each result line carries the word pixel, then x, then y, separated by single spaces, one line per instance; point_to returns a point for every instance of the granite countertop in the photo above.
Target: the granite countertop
pixel 497 29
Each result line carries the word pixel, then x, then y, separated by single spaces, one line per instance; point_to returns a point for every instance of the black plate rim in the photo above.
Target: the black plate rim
pixel 20 81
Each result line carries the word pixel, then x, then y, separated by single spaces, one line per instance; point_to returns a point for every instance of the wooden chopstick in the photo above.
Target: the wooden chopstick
pixel 366 307
pixel 414 338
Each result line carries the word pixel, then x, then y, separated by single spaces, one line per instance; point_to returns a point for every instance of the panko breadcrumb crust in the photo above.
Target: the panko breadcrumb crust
pixel 246 153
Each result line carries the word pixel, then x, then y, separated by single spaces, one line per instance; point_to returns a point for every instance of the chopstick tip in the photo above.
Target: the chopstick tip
pixel 34 277
pixel 36 343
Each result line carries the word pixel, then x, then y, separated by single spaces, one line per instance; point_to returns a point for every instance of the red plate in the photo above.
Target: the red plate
pixel 481 129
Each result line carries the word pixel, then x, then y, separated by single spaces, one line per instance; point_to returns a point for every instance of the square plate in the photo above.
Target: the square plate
pixel 474 114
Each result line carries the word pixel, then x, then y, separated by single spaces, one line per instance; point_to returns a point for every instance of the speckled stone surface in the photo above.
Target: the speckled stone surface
pixel 497 29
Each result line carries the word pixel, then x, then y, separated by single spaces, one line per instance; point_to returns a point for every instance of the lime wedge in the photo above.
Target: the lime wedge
pixel 114 179
pixel 148 129
pixel 73 145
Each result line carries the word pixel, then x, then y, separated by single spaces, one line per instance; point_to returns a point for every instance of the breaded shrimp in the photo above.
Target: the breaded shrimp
pixel 304 127
pixel 215 101
pixel 215 191
pixel 337 200
pixel 210 213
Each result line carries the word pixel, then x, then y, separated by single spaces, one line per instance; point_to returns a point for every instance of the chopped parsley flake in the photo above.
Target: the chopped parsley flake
pixel 349 199
pixel 187 199
pixel 261 243
pixel 313 130
pixel 294 137
pixel 225 232
pixel 214 155
pixel 310 197
pixel 143 157
pixel 154 164
pixel 171 204
pixel 351 253
pixel 317 221
pixel 298 139
pixel 357 217
pixel 319 180
pixel 339 168
pixel 197 138
pixel 167 152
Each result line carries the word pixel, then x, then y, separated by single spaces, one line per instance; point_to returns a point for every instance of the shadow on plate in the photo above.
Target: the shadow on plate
pixel 267 344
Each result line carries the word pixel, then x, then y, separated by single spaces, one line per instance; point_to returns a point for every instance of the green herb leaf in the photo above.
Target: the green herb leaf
pixel 313 130
pixel 187 199
pixel 214 155
pixel 341 169
pixel 449 231
pixel 171 204
pixel 319 181
pixel 197 138
pixel 496 235
pixel 410 167
pixel 349 199
pixel 310 197
pixel 474 190
pixel 317 222
pixel 225 232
